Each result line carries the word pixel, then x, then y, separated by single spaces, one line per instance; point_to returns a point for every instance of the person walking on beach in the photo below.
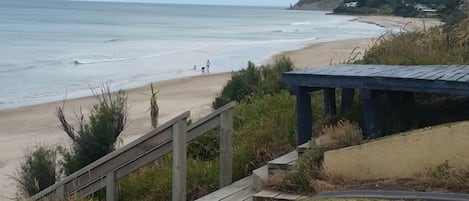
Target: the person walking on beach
pixel 208 64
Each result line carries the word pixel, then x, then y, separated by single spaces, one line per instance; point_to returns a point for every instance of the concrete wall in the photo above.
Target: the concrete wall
pixel 403 156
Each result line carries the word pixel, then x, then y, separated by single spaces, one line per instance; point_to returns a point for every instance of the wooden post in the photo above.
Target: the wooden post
pixel 373 126
pixel 226 147
pixel 329 102
pixel 179 160
pixel 347 99
pixel 60 192
pixel 111 187
pixel 304 115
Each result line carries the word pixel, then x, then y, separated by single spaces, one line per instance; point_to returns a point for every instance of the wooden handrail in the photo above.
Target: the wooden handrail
pixel 151 146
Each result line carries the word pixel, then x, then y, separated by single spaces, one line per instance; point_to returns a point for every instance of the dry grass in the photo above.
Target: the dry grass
pixel 344 134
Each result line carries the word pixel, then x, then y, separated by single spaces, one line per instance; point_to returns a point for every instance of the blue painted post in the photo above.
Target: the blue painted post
pixel 304 115
pixel 329 102
pixel 373 125
pixel 347 99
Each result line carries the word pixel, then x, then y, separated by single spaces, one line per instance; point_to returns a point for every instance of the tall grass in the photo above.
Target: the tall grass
pixel 420 48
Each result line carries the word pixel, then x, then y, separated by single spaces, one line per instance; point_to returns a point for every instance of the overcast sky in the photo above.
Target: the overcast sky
pixel 282 3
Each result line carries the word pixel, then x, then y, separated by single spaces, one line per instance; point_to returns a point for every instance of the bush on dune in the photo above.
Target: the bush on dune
pixel 254 81
pixel 95 137
pixel 38 171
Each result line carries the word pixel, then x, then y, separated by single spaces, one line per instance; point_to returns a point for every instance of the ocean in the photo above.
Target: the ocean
pixel 52 49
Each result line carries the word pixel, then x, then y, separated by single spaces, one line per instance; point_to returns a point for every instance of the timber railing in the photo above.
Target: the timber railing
pixel 171 136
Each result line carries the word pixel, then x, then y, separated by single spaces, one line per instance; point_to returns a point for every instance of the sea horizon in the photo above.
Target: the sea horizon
pixel 52 49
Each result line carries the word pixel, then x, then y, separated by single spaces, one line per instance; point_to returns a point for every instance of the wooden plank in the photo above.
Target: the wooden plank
pixel 464 79
pixel 163 148
pixel 226 148
pixel 283 161
pixel 91 188
pixel 458 76
pixel 212 115
pixel 111 187
pixel 258 175
pixel 427 76
pixel 394 84
pixel 265 195
pixel 244 194
pixel 144 159
pixel 388 72
pixel 454 71
pixel 286 196
pixel 228 190
pixel 201 129
pixel 437 75
pixel 179 161
pixel 60 192
pixel 303 147
pixel 111 163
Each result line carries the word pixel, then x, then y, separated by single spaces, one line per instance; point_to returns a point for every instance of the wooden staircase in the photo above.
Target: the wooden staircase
pixel 250 188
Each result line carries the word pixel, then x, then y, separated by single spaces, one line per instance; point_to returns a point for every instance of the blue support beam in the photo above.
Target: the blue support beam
pixel 329 102
pixel 304 115
pixel 347 99
pixel 373 122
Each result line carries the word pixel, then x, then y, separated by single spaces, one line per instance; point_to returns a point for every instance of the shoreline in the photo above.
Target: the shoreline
pixel 25 126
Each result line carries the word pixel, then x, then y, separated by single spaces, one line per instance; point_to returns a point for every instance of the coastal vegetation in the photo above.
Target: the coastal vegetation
pixel 316 5
pixel 254 82
pixel 92 138
pixel 449 10
pixel 39 170
pixel 95 136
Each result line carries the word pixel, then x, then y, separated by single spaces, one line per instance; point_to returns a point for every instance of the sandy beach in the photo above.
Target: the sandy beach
pixel 24 127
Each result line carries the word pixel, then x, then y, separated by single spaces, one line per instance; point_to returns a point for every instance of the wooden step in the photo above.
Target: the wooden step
pixel 241 190
pixel 267 195
pixel 302 148
pixel 259 175
pixel 284 162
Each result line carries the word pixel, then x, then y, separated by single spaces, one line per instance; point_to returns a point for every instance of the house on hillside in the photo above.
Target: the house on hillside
pixel 351 4
pixel 424 8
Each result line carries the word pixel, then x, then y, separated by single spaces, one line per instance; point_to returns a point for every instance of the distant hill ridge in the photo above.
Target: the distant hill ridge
pixel 328 5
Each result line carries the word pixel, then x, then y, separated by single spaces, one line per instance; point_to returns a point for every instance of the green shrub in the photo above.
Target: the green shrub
pixel 253 81
pixel 96 136
pixel 265 128
pixel 38 171
pixel 205 147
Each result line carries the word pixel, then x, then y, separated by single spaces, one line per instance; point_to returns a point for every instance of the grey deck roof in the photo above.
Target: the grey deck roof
pixel 435 78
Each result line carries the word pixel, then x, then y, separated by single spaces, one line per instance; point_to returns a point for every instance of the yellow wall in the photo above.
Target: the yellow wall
pixel 404 155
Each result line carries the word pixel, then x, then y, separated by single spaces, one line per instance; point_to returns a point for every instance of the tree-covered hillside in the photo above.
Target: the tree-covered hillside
pixel 316 4
pixel 406 8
